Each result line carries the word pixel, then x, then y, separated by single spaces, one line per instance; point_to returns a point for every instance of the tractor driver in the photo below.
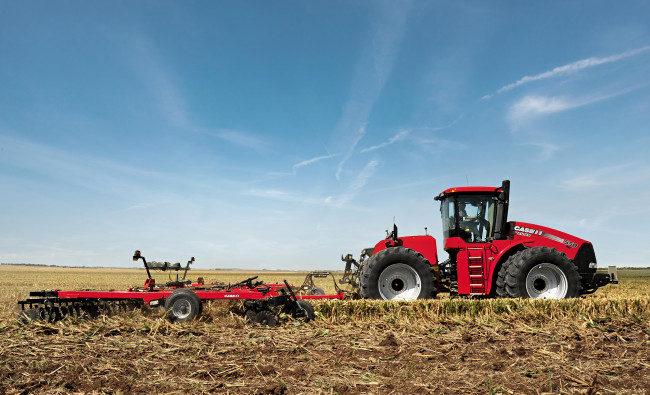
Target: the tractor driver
pixel 470 225
pixel 467 225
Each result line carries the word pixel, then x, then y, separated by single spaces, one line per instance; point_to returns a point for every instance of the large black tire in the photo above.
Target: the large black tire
pixel 541 272
pixel 182 305
pixel 398 273
pixel 500 289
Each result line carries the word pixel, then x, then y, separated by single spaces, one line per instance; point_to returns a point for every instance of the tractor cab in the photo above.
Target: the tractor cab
pixel 474 214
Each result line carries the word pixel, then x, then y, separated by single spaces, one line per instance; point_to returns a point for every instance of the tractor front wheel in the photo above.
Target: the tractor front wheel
pixel 397 273
pixel 541 273
pixel 182 305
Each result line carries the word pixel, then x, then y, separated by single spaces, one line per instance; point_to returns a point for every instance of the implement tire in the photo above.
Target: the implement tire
pixel 543 273
pixel 305 313
pixel 398 273
pixel 182 305
pixel 27 316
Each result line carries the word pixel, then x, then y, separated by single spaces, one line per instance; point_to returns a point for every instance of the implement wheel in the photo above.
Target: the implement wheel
pixel 182 305
pixel 266 318
pixel 27 316
pixel 398 273
pixel 261 317
pixel 541 273
pixel 302 310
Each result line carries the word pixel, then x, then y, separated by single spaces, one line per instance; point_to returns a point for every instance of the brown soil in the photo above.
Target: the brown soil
pixel 222 354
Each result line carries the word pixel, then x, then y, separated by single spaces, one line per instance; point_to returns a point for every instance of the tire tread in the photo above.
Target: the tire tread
pixel 518 265
pixel 378 262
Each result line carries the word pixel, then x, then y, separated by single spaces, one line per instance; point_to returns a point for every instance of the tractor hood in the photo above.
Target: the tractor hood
pixel 538 235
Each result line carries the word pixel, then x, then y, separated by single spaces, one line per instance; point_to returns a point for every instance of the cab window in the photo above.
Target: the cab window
pixel 475 218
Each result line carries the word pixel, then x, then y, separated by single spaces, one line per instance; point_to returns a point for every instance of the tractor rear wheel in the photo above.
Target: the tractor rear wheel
pixel 397 273
pixel 542 273
pixel 182 305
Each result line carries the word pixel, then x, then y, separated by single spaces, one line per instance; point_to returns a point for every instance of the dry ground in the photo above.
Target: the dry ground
pixel 596 344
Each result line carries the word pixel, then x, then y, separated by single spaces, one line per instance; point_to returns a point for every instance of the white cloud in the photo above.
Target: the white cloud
pixel 568 69
pixel 311 161
pixel 529 106
pixel 285 196
pixel 532 106
pixel 432 144
pixel 633 173
pixel 164 93
pixel 237 137
pixel 98 174
pixel 419 139
pixel 356 187
pixel 401 135
pixel 360 133
pixel 372 70
pixel 352 191
pixel 171 103
pixel 547 150
pixel 84 171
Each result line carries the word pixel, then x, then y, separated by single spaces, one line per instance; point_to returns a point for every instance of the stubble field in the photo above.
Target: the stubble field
pixel 598 343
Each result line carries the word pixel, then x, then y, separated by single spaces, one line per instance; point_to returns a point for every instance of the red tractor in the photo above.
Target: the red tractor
pixel 488 256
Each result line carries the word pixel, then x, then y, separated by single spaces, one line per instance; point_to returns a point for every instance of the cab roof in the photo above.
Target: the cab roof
pixel 466 190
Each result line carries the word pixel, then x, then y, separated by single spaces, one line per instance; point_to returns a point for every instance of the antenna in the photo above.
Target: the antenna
pixel 467 179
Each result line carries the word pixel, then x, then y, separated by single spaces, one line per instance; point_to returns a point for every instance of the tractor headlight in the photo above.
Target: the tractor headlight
pixel 593 265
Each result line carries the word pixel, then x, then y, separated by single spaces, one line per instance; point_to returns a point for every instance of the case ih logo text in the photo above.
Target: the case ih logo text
pixel 528 230
pixel 231 296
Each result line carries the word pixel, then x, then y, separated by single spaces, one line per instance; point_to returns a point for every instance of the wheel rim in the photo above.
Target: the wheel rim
pixel 546 281
pixel 399 282
pixel 182 309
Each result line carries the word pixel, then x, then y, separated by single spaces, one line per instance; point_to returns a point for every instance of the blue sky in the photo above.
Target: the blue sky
pixel 268 135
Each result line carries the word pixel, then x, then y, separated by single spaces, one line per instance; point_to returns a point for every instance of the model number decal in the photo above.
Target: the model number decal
pixel 570 244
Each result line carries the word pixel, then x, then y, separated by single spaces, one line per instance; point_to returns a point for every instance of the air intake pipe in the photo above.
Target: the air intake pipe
pixel 501 226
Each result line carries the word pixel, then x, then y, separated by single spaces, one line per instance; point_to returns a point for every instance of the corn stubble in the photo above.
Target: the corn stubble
pixel 595 344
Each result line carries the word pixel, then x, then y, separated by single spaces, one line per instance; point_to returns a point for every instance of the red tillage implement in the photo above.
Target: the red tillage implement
pixel 182 299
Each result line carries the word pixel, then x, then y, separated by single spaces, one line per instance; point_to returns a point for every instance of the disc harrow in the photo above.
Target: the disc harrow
pixel 46 306
pixel 182 299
